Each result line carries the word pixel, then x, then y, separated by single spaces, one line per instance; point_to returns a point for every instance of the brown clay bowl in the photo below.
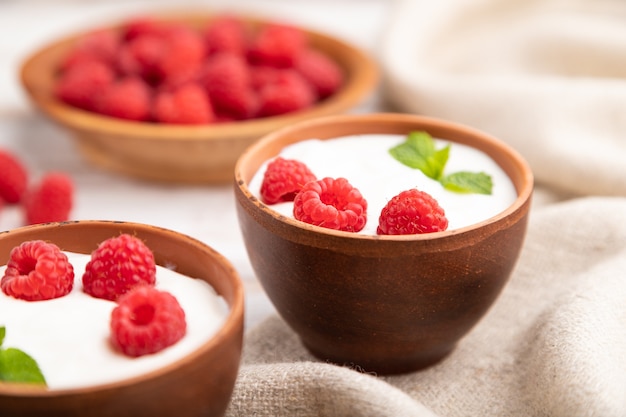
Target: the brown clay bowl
pixel 385 304
pixel 202 154
pixel 197 385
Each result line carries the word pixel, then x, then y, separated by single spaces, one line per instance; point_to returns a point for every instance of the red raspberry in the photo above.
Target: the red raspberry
pixel 331 203
pixel 13 177
pixel 104 43
pixel 321 71
pixel 411 212
pixel 118 265
pixel 226 34
pixel 142 25
pixel 82 85
pixel 37 271
pixel 51 200
pixel 78 57
pixel 128 98
pixel 183 54
pixel 277 45
pixel 283 179
pixel 226 77
pixel 187 104
pixel 99 45
pixel 262 75
pixel 146 321
pixel 288 93
pixel 140 56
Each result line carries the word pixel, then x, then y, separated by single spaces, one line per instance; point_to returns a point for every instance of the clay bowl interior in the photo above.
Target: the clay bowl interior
pixel 199 384
pixel 204 154
pixel 387 304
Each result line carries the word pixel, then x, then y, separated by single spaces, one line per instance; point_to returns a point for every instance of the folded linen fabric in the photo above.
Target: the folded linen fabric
pixel 554 344
pixel 547 76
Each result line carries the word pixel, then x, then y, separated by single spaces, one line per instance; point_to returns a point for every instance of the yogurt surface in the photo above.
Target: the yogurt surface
pixel 364 160
pixel 69 336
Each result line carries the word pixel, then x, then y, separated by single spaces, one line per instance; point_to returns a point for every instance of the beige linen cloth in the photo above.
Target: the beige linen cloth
pixel 549 77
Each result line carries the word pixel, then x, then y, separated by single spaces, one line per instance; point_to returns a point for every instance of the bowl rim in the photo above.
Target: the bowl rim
pixel 524 193
pixel 363 69
pixel 230 325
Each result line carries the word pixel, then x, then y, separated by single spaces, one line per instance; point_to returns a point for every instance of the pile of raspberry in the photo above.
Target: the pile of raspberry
pixel 50 199
pixel 334 203
pixel 121 269
pixel 226 70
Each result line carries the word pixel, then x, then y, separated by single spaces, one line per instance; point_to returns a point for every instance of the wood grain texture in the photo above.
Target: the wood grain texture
pixel 386 304
pixel 198 385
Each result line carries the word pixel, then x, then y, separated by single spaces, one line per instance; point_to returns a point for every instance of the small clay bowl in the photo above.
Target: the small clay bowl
pixel 200 154
pixel 385 304
pixel 199 384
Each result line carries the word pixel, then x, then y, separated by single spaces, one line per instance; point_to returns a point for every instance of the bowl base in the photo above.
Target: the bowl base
pixel 384 366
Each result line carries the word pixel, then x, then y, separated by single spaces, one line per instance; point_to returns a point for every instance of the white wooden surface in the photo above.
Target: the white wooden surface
pixel 206 213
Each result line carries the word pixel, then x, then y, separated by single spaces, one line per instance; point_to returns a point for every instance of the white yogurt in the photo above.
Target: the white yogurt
pixel 69 336
pixel 364 160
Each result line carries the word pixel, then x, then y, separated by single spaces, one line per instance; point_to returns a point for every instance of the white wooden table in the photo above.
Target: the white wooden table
pixel 206 213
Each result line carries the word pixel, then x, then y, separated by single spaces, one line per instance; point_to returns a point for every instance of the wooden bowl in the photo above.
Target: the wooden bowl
pixel 385 304
pixel 203 154
pixel 197 385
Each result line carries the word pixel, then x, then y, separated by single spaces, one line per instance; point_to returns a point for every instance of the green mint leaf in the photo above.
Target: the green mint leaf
pixel 418 152
pixel 17 366
pixel 438 162
pixel 468 182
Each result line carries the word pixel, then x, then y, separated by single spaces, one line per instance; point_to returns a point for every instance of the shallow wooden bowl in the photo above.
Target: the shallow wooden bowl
pixel 385 304
pixel 201 154
pixel 200 384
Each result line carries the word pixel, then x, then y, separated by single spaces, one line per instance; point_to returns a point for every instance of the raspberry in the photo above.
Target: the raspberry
pixel 103 43
pixel 78 57
pixel 411 212
pixel 322 72
pixel 128 98
pixel 246 72
pixel 51 200
pixel 288 93
pixel 99 45
pixel 146 321
pixel 82 84
pixel 331 203
pixel 187 104
pixel 226 34
pixel 262 75
pixel 283 179
pixel 183 53
pixel 226 77
pixel 140 26
pixel 140 57
pixel 118 265
pixel 277 45
pixel 13 177
pixel 37 271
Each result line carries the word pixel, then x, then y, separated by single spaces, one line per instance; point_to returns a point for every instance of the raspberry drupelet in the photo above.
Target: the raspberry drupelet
pixel 331 203
pixel 412 212
pixel 37 271
pixel 146 321
pixel 13 177
pixel 283 179
pixel 118 265
pixel 50 200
